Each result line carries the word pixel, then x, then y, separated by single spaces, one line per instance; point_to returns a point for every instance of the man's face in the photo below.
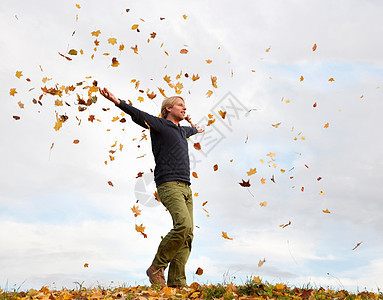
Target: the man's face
pixel 178 111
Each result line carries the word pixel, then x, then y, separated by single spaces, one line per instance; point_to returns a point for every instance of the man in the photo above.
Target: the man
pixel 172 177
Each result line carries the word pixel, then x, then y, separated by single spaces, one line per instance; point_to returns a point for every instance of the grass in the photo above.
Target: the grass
pixel 253 288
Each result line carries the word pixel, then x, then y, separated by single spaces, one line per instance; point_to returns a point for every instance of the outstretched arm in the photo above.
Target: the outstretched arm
pixel 108 95
pixel 199 130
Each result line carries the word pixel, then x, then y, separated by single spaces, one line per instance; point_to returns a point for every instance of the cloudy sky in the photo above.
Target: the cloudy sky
pixel 57 209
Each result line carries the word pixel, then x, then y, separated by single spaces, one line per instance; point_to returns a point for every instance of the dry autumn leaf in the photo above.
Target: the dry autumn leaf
pixel 252 171
pixel 199 271
pixel 331 79
pixel 224 235
pixel 76 141
pixel 195 77
pixel 214 81
pixel 314 47
pixel 136 211
pixel 194 174
pixel 261 262
pixel 197 146
pixel 184 51
pixel 285 225
pixel 209 93
pixel 134 26
pixel 222 114
pixel 245 183
pixel 326 211
pixel 19 74
pixel 86 265
pixel 263 204
pixel 115 62
pixel 12 91
pixel 141 229
pixel 326 125
pixel 215 167
pixel 357 245
pixel 110 183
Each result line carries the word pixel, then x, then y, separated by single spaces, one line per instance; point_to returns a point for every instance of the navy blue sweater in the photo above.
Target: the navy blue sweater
pixel 169 145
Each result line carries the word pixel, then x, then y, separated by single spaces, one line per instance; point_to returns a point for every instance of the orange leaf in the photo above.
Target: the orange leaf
pixel 19 74
pixel 197 146
pixel 209 61
pixel 263 180
pixel 141 229
pixel 214 81
pixel 135 26
pixel 195 175
pixel 110 183
pixel 331 79
pixel 263 204
pixel 86 265
pixel 215 167
pixel 315 104
pixel 326 211
pixel 224 235
pixel 301 79
pixel 96 33
pixel 285 225
pixel 136 211
pixel 162 92
pixel 195 77
pixel 199 271
pixel 321 193
pixel 252 171
pixel 115 62
pixel 222 114
pixel 326 125
pixel 314 47
pixel 76 141
pixel 184 51
pixel 209 93
pixel 12 92
pixel 280 286
pixel 357 245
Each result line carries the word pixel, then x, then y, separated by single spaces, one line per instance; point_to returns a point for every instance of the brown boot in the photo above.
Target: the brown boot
pixel 156 275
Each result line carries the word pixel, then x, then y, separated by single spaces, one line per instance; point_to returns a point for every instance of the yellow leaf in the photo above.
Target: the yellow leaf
pixel 115 119
pixel 271 154
pixel 96 33
pixel 58 102
pixel 162 92
pixel 59 123
pixel 214 81
pixel 251 172
pixel 280 286
pixel 112 41
pixel 261 262
pixel 195 77
pixel 141 99
pixel 19 74
pixel 261 160
pixel 209 93
pixel 78 6
pixel 135 26
pixel 256 279
pixel 224 235
pixel 276 125
pixel 185 16
pixel 167 78
pixel 136 211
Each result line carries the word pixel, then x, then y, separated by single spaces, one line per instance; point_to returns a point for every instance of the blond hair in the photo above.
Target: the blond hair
pixel 168 102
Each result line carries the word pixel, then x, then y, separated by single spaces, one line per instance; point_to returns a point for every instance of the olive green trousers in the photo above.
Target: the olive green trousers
pixel 175 247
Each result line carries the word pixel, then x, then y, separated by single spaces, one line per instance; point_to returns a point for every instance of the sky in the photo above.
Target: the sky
pixel 301 85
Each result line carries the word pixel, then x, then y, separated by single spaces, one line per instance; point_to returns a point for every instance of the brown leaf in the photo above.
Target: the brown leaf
pixel 245 183
pixel 357 245
pixel 197 146
pixel 184 51
pixel 110 183
pixel 215 167
pixel 16 118
pixel 76 141
pixel 199 271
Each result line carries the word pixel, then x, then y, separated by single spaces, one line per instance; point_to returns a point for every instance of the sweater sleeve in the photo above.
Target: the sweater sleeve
pixel 190 131
pixel 140 117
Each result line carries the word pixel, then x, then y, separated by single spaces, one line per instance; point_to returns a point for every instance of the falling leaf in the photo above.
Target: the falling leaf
pixel 271 154
pixel 141 229
pixel 96 33
pixel 314 47
pixel 209 93
pixel 301 79
pixel 195 175
pixel 285 225
pixel 59 122
pixel 21 105
pixel 315 104
pixel 115 62
pixel 136 211
pixel 76 141
pixel 263 204
pixel 195 77
pixel 214 81
pixel 197 146
pixel 321 193
pixel 319 178
pixel 276 125
pixel 215 167
pixel 162 92
pixel 16 118
pixel 68 58
pixel 72 52
pixel 19 74
pixel 251 172
pixel 326 211
pixel 112 41
pixel 184 51
pixel 268 49
pixel 272 178
pixel 121 47
pixel 245 183
pixel 357 245
pixel 263 180
pixel 86 265
pixel 326 125
pixel 78 6
pixel 110 183
pixel 209 61
pixel 224 235
pixel 210 122
pixel 199 271
pixel 12 92
pixel 331 79
pixel 135 26
pixel 261 262
pixel 222 114
pixel 184 16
